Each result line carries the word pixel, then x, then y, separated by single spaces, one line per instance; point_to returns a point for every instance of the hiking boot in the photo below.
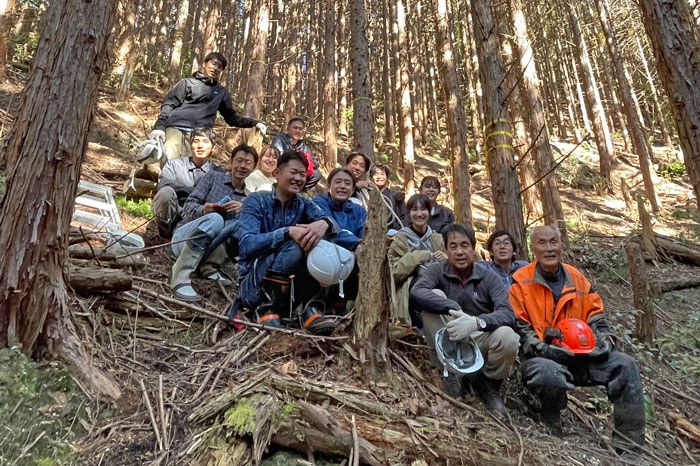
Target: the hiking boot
pixel 276 295
pixel 313 321
pixel 453 386
pixel 552 419
pixel 267 317
pixel 487 390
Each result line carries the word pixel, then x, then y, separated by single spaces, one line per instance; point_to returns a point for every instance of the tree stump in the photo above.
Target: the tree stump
pixel 372 314
pixel 646 319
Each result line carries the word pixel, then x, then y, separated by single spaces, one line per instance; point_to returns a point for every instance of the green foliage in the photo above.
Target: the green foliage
pixel 680 347
pixel 39 403
pixel 140 208
pixel 673 171
pixel 241 418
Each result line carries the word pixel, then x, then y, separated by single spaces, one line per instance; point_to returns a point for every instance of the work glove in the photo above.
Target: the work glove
pixel 534 376
pixel 461 326
pixel 558 354
pixel 261 127
pixel 602 350
pixel 157 135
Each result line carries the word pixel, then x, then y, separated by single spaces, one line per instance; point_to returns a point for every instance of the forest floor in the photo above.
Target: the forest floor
pixel 188 382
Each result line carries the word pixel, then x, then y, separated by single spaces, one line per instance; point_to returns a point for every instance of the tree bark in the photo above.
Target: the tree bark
pixel 94 280
pixel 456 122
pixel 498 142
pixel 44 152
pixel 372 319
pixel 675 41
pixel 535 119
pixel 258 62
pixel 646 319
pixel 362 115
pixel 330 158
pixel 658 113
pixel 403 97
pixel 176 56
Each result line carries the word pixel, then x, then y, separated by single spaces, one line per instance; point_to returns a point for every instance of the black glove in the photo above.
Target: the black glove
pixel 558 354
pixel 602 349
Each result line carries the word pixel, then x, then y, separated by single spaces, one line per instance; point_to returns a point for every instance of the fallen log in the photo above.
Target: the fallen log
pixel 100 254
pixel 674 248
pixel 684 427
pixel 676 283
pixel 138 187
pixel 98 280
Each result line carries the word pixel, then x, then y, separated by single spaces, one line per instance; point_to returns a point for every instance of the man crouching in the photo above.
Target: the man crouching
pixel 554 305
pixel 471 302
pixel 275 232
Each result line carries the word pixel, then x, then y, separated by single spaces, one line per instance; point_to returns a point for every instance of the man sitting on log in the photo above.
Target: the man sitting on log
pixel 275 232
pixel 293 139
pixel 470 302
pixel 179 177
pixel 194 102
pixel 209 215
pixel 547 295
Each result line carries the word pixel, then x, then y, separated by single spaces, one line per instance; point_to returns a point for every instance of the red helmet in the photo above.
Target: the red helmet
pixel 576 335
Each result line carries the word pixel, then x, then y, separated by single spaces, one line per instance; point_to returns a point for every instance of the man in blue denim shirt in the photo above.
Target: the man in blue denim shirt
pixel 275 231
pixel 209 216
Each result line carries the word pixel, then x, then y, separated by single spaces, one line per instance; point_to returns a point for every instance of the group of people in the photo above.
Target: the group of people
pixel 477 316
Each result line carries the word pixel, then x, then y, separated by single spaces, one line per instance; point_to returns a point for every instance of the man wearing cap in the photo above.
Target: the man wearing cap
pixel 545 293
pixel 470 302
pixel 194 103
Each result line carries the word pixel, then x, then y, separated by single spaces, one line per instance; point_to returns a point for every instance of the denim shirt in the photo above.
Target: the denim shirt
pixel 350 218
pixel 264 222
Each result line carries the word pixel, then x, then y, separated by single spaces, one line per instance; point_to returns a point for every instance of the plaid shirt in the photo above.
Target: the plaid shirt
pixel 211 189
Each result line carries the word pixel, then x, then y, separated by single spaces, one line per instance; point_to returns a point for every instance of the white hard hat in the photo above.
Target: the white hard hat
pixel 459 357
pixel 330 264
pixel 151 151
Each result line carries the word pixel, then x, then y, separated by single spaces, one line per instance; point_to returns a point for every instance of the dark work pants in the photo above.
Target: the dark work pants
pixel 619 374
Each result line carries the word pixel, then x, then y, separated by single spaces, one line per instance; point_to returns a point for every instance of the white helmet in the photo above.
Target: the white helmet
pixel 330 264
pixel 459 357
pixel 151 151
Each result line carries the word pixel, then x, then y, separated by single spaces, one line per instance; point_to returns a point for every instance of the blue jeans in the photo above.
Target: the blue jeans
pixel 289 259
pixel 212 224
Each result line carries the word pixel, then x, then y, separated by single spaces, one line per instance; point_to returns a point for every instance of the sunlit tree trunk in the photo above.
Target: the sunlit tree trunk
pixel 601 130
pixel 404 99
pixel 43 154
pixel 658 113
pixel 258 61
pixel 7 12
pixel 456 121
pixel 176 57
pixel 362 115
pixel 329 97
pixel 498 144
pixel 638 134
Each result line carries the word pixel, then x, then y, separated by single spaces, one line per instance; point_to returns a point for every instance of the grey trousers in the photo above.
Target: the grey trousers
pixel 499 347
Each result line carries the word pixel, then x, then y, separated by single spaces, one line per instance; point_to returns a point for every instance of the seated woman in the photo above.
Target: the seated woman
pixel 350 218
pixel 440 216
pixel 413 247
pixel 397 217
pixel 501 248
pixel 262 178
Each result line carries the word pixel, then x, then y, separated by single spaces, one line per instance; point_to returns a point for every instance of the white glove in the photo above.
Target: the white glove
pixel 461 326
pixel 261 127
pixel 157 135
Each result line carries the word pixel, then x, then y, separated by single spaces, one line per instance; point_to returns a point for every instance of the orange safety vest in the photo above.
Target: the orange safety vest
pixel 533 300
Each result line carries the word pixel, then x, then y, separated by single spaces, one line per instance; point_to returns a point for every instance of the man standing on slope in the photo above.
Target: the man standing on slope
pixel 193 103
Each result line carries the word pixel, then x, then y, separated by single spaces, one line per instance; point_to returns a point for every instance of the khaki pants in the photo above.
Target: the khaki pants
pixel 177 144
pixel 499 347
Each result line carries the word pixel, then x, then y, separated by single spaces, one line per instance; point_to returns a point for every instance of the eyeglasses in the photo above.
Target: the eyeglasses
pixel 242 161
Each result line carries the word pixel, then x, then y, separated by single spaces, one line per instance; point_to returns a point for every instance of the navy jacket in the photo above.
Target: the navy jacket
pixel 350 218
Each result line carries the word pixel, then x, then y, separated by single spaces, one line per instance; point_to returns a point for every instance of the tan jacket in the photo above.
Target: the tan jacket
pixel 404 264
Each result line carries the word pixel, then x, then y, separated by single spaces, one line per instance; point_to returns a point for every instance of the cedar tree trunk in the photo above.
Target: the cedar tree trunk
pixel 43 154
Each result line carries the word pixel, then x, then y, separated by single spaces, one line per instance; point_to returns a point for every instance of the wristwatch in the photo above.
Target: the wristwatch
pixel 481 324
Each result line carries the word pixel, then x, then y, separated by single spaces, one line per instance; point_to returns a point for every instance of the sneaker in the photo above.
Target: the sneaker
pixel 218 277
pixel 453 386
